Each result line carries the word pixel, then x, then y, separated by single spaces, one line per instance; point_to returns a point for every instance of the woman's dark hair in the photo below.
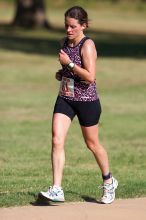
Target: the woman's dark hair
pixel 77 13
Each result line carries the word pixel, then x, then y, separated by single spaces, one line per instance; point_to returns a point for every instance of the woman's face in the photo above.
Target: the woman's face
pixel 73 28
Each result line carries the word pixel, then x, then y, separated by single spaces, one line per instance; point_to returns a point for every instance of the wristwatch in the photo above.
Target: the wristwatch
pixel 71 65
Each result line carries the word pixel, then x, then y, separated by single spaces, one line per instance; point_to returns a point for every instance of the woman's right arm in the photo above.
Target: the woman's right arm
pixel 58 75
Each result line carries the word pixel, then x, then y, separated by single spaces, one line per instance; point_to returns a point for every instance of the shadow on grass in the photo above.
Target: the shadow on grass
pixel 89 199
pixel 92 200
pixel 39 200
pixel 85 198
pixel 109 44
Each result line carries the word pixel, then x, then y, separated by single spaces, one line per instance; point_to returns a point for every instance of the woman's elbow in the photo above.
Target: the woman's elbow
pixel 91 79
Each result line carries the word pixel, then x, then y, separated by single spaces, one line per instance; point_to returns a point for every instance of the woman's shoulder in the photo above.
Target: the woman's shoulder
pixel 89 48
pixel 89 43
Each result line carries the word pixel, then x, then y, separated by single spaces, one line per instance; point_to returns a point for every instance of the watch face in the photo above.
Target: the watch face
pixel 71 65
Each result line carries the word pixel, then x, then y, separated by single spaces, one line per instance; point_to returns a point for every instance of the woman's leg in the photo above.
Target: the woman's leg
pixel 110 184
pixel 91 138
pixel 60 126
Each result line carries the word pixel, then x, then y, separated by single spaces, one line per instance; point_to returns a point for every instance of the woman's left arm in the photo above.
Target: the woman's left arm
pixel 89 56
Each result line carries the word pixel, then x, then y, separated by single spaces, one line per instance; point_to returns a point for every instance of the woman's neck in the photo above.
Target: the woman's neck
pixel 74 42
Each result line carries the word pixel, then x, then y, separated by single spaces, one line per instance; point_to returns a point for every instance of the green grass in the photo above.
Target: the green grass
pixel 28 62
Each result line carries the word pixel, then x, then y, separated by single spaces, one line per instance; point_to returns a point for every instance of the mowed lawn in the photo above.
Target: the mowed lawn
pixel 28 89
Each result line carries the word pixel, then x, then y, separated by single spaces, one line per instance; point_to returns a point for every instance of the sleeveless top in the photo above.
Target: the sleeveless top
pixel 83 91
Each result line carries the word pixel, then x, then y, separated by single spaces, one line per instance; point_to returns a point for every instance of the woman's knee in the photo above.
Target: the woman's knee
pixel 92 145
pixel 57 141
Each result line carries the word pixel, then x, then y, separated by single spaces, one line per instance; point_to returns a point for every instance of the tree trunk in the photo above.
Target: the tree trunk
pixel 30 13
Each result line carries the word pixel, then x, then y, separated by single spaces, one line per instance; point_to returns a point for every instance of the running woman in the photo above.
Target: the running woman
pixel 78 97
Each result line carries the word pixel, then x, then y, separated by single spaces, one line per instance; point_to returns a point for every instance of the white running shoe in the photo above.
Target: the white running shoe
pixel 54 194
pixel 109 191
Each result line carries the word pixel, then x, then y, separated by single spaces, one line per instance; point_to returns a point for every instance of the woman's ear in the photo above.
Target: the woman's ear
pixel 84 26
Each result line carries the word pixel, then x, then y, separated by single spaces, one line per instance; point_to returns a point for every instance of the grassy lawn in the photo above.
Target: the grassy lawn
pixel 28 89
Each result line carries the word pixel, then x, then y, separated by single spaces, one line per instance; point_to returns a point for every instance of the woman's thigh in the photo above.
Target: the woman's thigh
pixel 60 126
pixel 90 135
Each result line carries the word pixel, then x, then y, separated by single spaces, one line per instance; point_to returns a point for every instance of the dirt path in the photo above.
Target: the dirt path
pixel 130 209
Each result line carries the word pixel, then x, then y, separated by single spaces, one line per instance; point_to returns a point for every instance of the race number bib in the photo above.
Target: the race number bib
pixel 67 87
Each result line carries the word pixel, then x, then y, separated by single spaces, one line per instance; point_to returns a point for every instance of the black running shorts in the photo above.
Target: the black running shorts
pixel 88 112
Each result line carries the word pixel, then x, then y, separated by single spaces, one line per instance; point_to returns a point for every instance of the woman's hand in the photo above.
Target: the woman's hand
pixel 64 58
pixel 58 75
